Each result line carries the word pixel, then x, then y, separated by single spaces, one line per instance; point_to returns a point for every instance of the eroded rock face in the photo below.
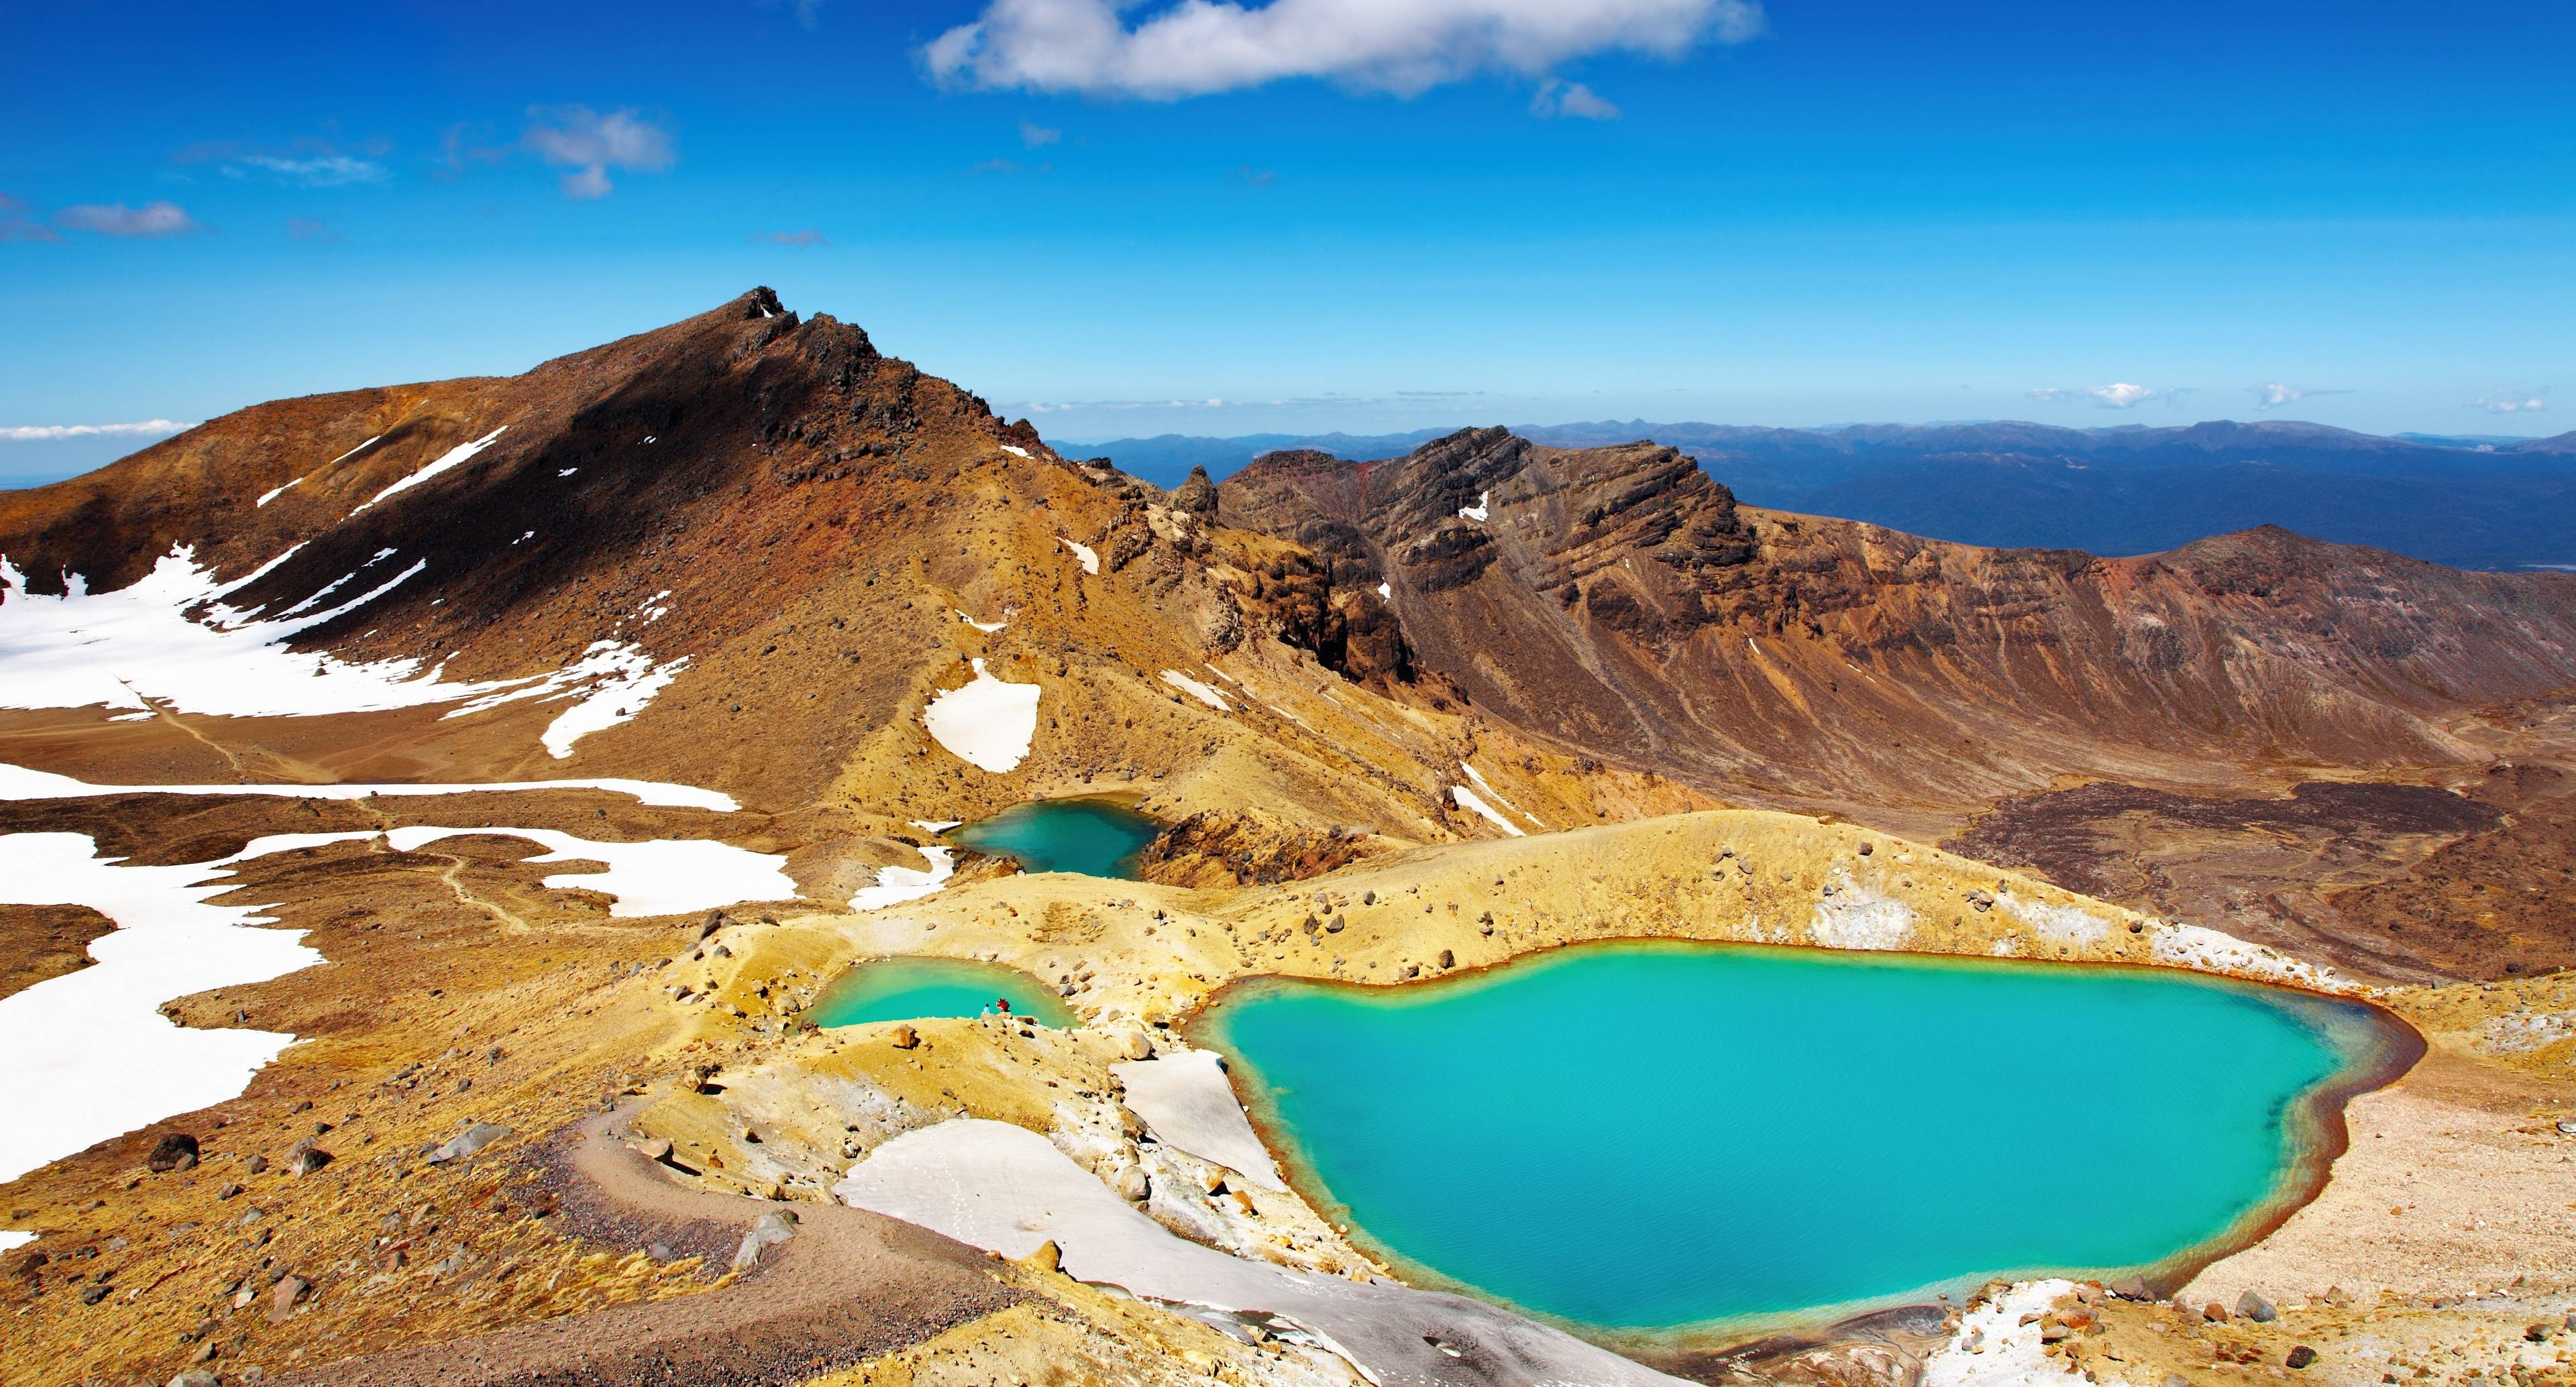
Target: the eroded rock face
pixel 1619 599
pixel 1234 847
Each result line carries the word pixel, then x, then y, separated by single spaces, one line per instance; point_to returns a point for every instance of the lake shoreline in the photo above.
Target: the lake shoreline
pixel 2377 1047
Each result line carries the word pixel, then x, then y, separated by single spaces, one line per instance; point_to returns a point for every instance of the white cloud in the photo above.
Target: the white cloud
pixel 591 144
pixel 1035 136
pixel 1197 47
pixel 2511 402
pixel 2119 395
pixel 1572 100
pixel 320 171
pixel 32 433
pixel 117 219
pixel 2273 394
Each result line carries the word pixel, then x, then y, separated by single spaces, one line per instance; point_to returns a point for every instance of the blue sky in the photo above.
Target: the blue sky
pixel 1360 214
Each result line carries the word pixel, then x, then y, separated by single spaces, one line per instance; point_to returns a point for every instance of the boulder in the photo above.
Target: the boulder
pixel 174 1151
pixel 774 1228
pixel 903 1037
pixel 1133 1185
pixel 194 1377
pixel 2254 1307
pixel 1136 1045
pixel 467 1142
pixel 304 1158
pixel 2300 1357
pixel 1448 959
pixel 285 1296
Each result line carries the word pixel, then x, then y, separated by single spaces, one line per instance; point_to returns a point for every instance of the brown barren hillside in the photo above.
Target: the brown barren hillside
pixel 787 545
pixel 1620 599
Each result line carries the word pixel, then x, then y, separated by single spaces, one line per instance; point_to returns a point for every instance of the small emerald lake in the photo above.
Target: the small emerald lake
pixel 1095 837
pixel 1652 1139
pixel 910 989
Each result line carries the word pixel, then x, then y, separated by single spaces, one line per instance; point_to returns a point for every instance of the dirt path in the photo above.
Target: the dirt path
pixel 848 1286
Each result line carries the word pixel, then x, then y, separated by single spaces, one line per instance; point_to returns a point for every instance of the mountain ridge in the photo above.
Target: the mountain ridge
pixel 2127 489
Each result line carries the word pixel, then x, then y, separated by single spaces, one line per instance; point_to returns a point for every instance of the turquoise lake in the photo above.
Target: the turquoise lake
pixel 1663 1137
pixel 1095 837
pixel 910 989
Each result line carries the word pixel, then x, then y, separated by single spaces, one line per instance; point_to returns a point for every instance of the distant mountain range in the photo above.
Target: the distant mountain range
pixel 2470 502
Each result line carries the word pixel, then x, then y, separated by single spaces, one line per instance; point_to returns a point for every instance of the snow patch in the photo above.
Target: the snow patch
pixel 90 1054
pixel 987 627
pixel 1203 692
pixel 1006 1189
pixel 895 885
pixel 985 722
pixel 629 681
pixel 1860 917
pixel 661 876
pixel 1015 452
pixel 1998 1344
pixel 1477 511
pixel 344 457
pixel 1090 560
pixel 1489 790
pixel 276 491
pixel 18 782
pixel 446 462
pixel 1468 800
pixel 1184 1097
pixel 170 637
pixel 119 649
pixel 1385 592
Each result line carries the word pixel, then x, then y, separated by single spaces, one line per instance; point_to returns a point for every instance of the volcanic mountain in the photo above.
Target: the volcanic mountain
pixel 745 551
pixel 1620 599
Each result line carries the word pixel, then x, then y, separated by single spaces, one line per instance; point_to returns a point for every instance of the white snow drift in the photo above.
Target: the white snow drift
pixel 1185 1099
pixel 660 876
pixel 1201 690
pixel 448 461
pixel 986 722
pixel 1470 801
pixel 91 1056
pixel 170 638
pixel 18 782
pixel 895 885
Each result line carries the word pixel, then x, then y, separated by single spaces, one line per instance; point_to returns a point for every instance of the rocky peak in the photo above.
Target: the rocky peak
pixel 1197 495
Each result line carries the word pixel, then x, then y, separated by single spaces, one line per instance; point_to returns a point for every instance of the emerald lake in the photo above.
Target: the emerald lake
pixel 1096 837
pixel 1649 1139
pixel 909 989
